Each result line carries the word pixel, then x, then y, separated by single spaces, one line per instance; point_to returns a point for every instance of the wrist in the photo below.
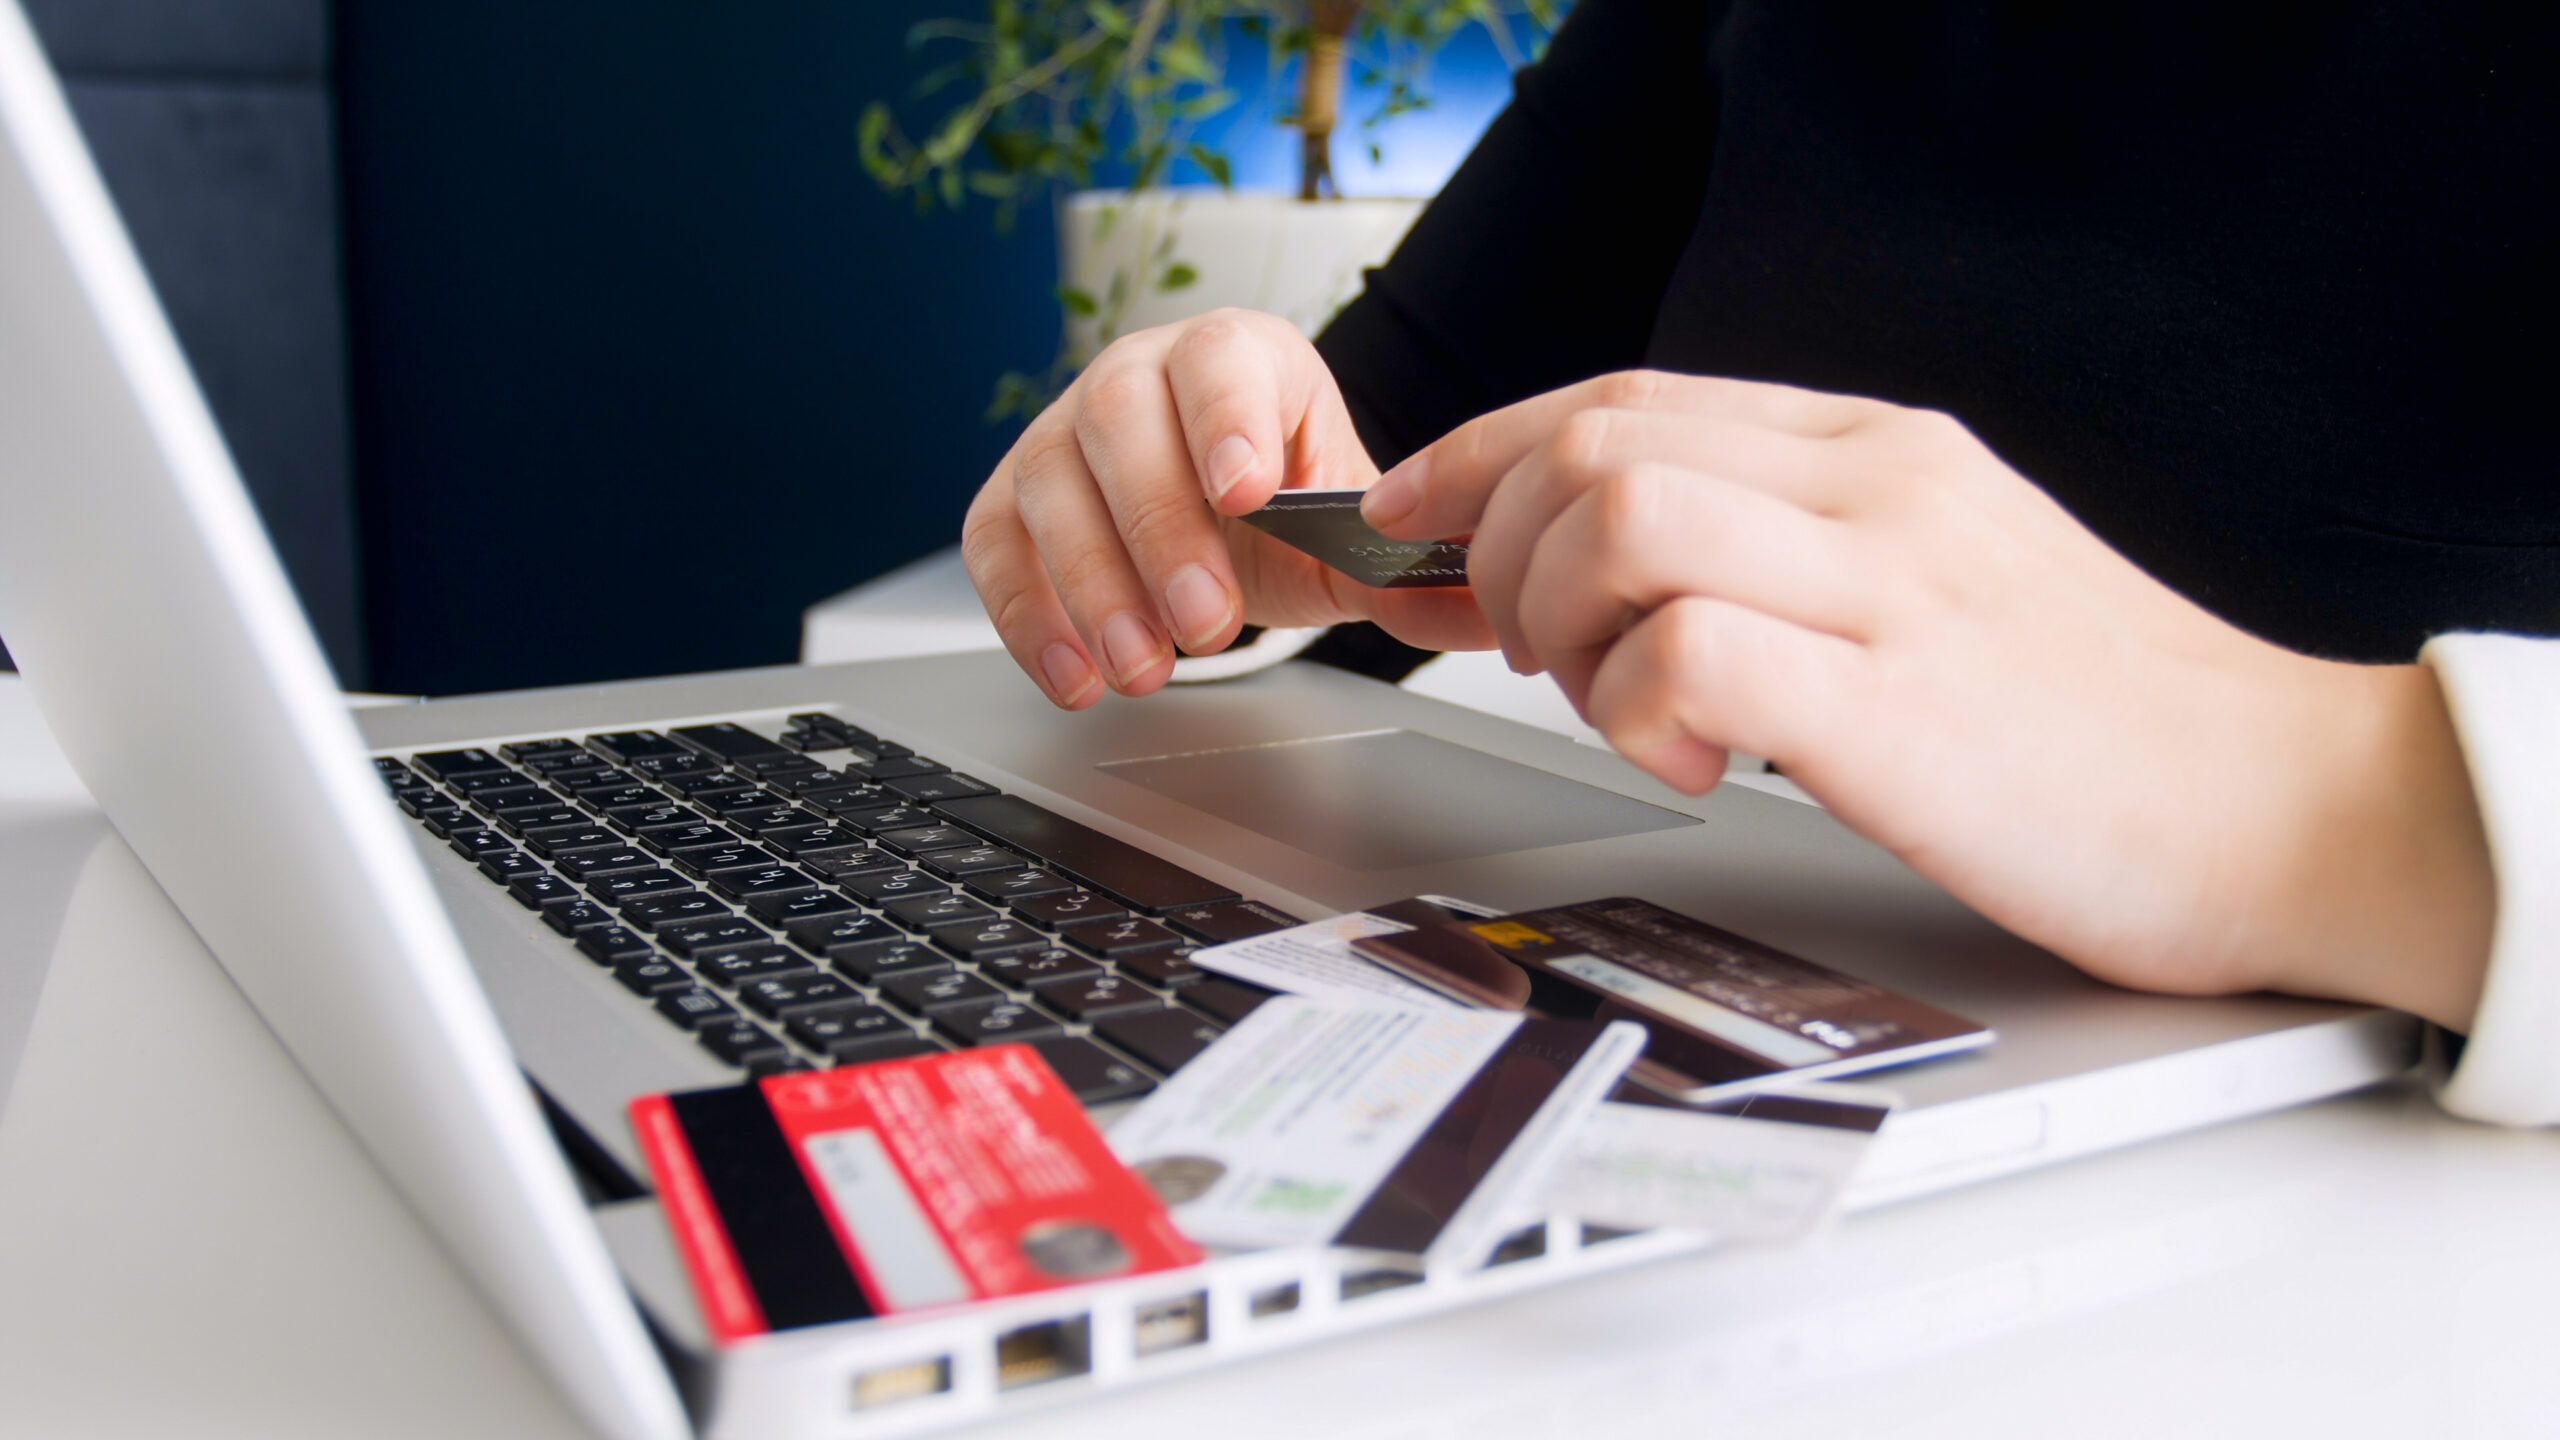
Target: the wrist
pixel 2389 897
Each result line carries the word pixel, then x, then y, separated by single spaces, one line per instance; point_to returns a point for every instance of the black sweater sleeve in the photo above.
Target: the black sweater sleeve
pixel 1544 259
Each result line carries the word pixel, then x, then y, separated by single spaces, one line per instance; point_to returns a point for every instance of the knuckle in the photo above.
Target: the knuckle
pixel 1632 389
pixel 1629 506
pixel 1152 519
pixel 1579 450
pixel 1041 461
pixel 1116 398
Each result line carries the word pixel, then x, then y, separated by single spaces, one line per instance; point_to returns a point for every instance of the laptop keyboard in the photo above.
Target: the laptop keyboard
pixel 830 897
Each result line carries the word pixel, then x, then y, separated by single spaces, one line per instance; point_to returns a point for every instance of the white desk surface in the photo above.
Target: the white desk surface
pixel 191 1246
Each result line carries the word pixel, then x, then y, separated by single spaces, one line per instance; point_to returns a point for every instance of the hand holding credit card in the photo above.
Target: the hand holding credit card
pixel 1327 525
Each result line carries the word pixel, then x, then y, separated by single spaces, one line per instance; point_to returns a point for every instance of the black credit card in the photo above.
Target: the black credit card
pixel 1327 525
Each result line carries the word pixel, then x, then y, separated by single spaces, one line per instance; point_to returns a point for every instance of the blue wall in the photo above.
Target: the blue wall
pixel 642 363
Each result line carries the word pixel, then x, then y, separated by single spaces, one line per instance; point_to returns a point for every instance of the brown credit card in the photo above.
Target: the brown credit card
pixel 1724 1014
pixel 1327 525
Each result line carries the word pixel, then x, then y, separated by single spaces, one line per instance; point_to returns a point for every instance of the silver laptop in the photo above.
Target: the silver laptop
pixel 406 895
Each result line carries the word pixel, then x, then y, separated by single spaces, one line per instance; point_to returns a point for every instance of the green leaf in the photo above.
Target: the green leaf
pixel 1214 164
pixel 1178 276
pixel 1078 302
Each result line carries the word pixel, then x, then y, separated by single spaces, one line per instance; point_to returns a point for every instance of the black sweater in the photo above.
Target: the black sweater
pixel 2261 289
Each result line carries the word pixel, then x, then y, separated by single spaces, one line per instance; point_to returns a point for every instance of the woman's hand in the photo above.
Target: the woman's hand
pixel 1104 539
pixel 1944 657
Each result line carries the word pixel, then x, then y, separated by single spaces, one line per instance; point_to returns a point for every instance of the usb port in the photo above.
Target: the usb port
pixel 1278 1300
pixel 1037 1354
pixel 1371 1282
pixel 1172 1324
pixel 891 1384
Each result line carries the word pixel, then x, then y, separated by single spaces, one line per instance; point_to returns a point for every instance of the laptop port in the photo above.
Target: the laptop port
pixel 1519 1245
pixel 1172 1324
pixel 891 1384
pixel 1603 1234
pixel 1037 1354
pixel 1278 1300
pixel 1365 1283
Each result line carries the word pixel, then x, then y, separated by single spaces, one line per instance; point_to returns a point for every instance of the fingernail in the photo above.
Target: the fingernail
pixel 1199 604
pixel 1228 462
pixel 1069 676
pixel 1397 493
pixel 1131 644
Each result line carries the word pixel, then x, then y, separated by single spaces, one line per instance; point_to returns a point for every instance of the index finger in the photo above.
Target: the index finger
pixel 1441 489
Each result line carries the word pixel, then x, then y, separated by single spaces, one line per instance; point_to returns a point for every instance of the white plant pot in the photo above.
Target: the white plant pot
pixel 1298 259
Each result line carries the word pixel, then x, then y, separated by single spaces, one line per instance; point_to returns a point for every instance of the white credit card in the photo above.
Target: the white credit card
pixel 1357 1123
pixel 1767 1168
pixel 1317 958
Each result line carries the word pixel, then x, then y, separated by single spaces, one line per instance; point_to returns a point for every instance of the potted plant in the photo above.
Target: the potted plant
pixel 1045 96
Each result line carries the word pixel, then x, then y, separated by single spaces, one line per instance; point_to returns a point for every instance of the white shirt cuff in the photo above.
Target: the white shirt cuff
pixel 2504 693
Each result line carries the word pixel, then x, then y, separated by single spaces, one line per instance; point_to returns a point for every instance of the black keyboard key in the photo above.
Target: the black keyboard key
pixel 694 1007
pixel 1168 968
pixel 472 844
pixel 729 854
pixel 743 1043
pixel 973 860
pixel 612 944
pixel 786 995
pixel 574 767
pixel 727 740
pixel 783 907
pixel 1074 906
pixel 806 839
pixel 891 817
pixel 653 975
pixel 1165 1039
pixel 415 799
pixel 510 797
pixel 824 781
pixel 889 1049
pixel 846 864
pixel 620 890
pixel 918 839
pixel 936 907
pixel 1112 866
pixel 541 890
pixel 938 990
pixel 1092 1074
pixel 527 749
pixel 1225 1000
pixel 489 782
pixel 664 815
pixel 702 938
pixel 588 864
pixel 730 969
pixel 766 880
pixel 778 1063
pixel 553 841
pixel 977 939
pixel 1002 1023
pixel 676 907
pixel 875 960
pixel 1003 887
pixel 899 767
pixel 610 799
pixel 449 765
pixel 1094 998
pixel 517 819
pixel 729 804
pixel 575 918
pixel 634 744
pixel 946 786
pixel 893 885
pixel 709 782
pixel 508 866
pixel 879 749
pixel 843 1031
pixel 1112 939
pixel 772 767
pixel 822 935
pixel 668 767
pixel 450 822
pixel 1235 920
pixel 849 798
pixel 392 771
pixel 1024 969
pixel 666 839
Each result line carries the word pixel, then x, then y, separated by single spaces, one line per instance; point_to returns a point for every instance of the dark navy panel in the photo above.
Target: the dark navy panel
pixel 643 363
pixel 240 39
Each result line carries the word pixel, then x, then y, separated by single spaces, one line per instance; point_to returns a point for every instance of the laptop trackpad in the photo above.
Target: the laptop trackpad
pixel 1391 799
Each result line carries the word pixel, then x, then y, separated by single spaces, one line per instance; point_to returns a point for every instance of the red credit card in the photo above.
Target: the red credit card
pixel 896 1186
